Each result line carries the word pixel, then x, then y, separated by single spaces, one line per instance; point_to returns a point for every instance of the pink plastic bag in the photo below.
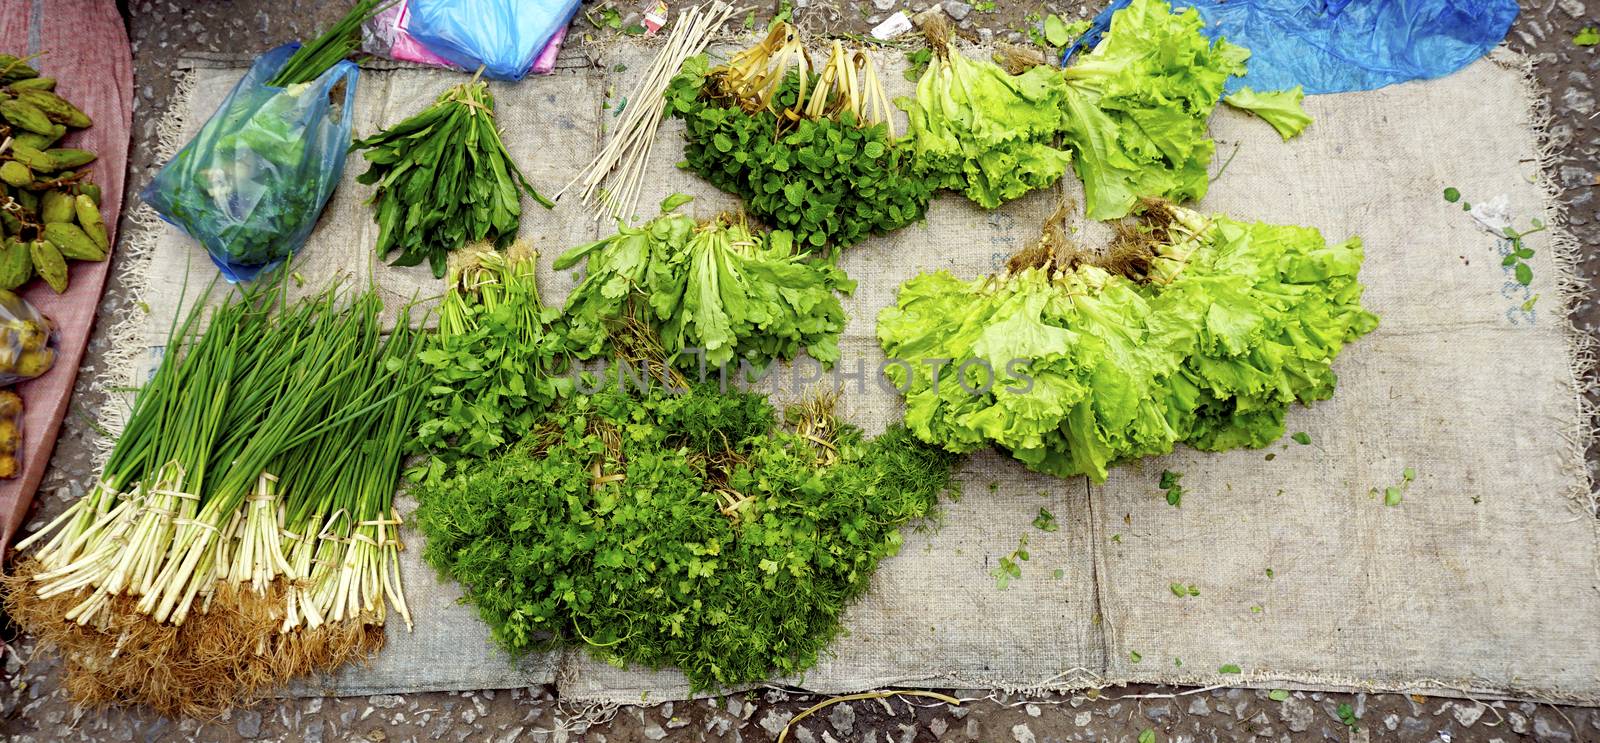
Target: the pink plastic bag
pixel 386 36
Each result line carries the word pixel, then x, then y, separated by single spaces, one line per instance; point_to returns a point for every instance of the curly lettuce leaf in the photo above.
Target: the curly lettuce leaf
pixel 981 131
pixel 1136 107
pixel 1280 108
pixel 718 287
pixel 1230 324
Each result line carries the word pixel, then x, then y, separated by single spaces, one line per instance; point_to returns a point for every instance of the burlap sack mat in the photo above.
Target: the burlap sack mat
pixel 1483 581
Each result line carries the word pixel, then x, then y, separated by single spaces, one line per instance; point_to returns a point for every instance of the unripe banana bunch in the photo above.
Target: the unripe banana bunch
pixel 49 212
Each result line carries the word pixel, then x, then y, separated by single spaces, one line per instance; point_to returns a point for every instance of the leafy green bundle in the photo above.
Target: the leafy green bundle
pixel 981 131
pixel 737 295
pixel 1191 329
pixel 681 530
pixel 1137 104
pixel 496 363
pixel 811 153
pixel 444 179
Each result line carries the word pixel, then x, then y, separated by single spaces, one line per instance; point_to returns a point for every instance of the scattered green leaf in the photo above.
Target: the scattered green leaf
pixel 1302 438
pixel 1271 574
pixel 1045 521
pixel 1278 695
pixel 1452 195
pixel 1229 668
pixel 1134 656
pixel 1147 735
pixel 1010 567
pixel 1169 483
pixel 1391 496
pixel 1347 715
pixel 1587 36
pixel 918 60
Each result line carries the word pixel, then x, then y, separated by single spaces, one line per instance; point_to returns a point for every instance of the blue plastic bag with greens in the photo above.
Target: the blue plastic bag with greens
pixel 503 36
pixel 252 182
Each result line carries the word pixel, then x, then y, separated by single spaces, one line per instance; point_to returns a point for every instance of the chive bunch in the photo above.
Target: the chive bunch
pixel 339 41
pixel 242 531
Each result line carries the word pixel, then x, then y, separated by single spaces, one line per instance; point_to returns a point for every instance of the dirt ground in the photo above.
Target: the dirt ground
pixel 34 708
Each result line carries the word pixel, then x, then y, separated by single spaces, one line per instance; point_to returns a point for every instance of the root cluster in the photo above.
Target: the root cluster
pixel 229 654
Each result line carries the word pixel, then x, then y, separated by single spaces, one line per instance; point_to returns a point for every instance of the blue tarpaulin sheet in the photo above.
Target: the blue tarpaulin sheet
pixel 1333 46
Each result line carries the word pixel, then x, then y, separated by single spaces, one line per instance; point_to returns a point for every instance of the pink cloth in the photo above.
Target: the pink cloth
pixel 88 55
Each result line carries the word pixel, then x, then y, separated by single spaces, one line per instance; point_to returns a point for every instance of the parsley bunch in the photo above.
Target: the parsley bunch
pixel 740 296
pixel 811 153
pixel 496 363
pixel 444 179
pixel 685 530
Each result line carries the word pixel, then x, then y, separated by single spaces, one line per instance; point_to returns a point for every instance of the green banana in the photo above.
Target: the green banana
pixel 55 107
pixel 56 206
pixel 16 174
pixel 34 159
pixel 39 141
pixel 26 115
pixel 47 260
pixel 16 264
pixel 73 242
pixel 35 83
pixel 15 68
pixel 67 158
pixel 93 224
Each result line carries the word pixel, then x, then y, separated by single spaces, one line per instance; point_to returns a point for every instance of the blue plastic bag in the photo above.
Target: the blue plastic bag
pixel 503 36
pixel 252 182
pixel 1333 46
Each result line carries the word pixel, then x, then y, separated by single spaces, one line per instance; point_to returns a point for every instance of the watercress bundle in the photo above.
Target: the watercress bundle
pixel 810 151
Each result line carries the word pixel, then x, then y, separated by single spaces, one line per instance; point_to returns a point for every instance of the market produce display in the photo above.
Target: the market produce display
pixel 812 151
pixel 977 129
pixel 254 179
pixel 242 531
pixel 686 530
pixel 740 296
pixel 1190 329
pixel 444 179
pixel 49 210
pixel 1136 107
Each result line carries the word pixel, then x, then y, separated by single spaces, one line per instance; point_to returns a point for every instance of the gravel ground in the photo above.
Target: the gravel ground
pixel 33 707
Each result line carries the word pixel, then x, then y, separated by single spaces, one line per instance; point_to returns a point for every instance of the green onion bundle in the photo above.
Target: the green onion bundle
pixel 339 41
pixel 242 531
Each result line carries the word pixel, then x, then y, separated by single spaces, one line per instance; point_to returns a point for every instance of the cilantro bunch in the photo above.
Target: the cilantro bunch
pixel 1191 329
pixel 740 296
pixel 684 530
pixel 810 152
pixel 495 365
pixel 444 179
